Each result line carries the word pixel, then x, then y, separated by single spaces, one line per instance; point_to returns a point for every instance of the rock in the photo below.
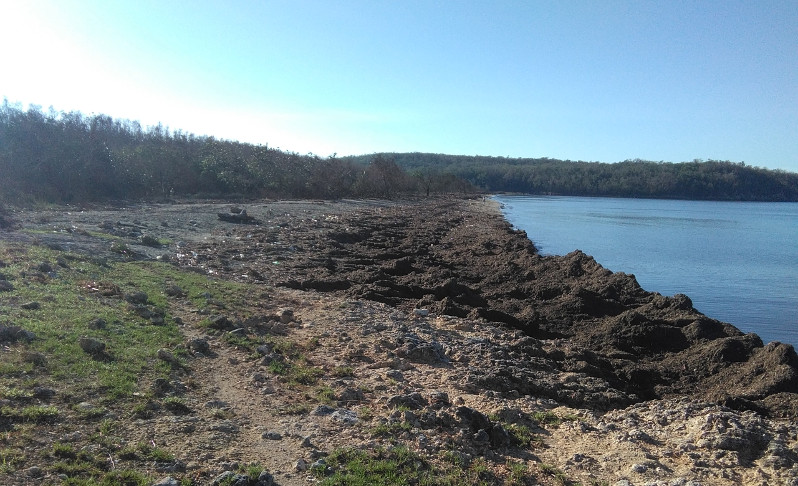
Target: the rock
pixel 150 241
pixel 413 401
pixel 421 312
pixel 439 399
pixel 319 466
pixel 395 375
pixel 499 437
pixel 265 478
pixel 286 316
pixel 481 436
pixel 264 349
pixel 31 306
pixel 199 345
pixel 166 355
pixel 12 333
pixel 418 351
pixel 350 395
pixel 226 427
pixel 161 387
pixel 167 481
pixel 306 442
pixel 272 436
pixel 43 393
pixel 174 291
pixel 34 472
pixel 239 332
pixel 6 286
pixel 98 323
pixel 217 404
pixel 346 417
pixel 323 410
pixel 221 323
pixel 300 465
pixel 44 267
pixel 473 419
pixel 224 478
pixel 91 346
pixel 136 297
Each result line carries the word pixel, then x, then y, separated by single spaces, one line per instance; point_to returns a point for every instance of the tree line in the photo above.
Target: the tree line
pixel 65 157
pixel 698 179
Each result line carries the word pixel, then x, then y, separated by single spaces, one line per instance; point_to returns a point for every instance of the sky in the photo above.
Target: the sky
pixel 603 80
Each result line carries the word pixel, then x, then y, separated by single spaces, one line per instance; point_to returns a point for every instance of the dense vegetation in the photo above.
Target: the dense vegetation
pixel 716 180
pixel 69 157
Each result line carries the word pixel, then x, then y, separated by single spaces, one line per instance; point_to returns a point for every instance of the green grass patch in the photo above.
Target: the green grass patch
pixel 400 466
pixel 391 429
pixel 551 418
pixel 343 372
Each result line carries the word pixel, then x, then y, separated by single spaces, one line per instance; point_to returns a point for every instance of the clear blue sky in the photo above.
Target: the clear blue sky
pixel 583 80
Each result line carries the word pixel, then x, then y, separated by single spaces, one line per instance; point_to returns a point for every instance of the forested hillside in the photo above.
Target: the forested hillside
pixel 69 157
pixel 715 180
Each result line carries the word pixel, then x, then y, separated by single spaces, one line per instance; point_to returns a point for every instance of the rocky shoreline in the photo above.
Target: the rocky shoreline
pixel 456 333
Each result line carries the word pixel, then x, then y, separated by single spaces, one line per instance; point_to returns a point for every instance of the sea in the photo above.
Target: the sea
pixel 737 261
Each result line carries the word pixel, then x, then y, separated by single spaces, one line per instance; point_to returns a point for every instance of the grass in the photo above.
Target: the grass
pixel 79 290
pixel 400 466
pixel 551 418
pixel 391 429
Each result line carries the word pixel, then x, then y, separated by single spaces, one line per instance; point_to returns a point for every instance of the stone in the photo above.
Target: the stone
pixel 473 419
pixel 481 436
pixel 174 291
pixel 91 346
pixel 300 465
pixel 217 404
pixel 167 481
pixel 44 267
pixel 166 355
pixel 6 286
pixel 499 437
pixel 350 395
pixel 14 333
pixel 346 417
pixel 265 478
pixel 199 345
pixel 136 297
pixel 439 399
pixel 98 323
pixel 272 435
pixel 323 410
pixel 221 323
pixel 264 349
pixel 239 332
pixel 31 306
pixel 413 401
pixel 395 375
pixel 286 316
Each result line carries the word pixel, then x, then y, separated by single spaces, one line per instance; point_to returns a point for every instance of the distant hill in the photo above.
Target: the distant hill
pixel 61 157
pixel 702 180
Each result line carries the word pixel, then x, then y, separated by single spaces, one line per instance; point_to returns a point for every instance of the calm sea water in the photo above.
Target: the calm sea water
pixel 738 262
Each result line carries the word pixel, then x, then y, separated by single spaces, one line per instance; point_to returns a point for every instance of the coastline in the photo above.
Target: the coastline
pixel 443 315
